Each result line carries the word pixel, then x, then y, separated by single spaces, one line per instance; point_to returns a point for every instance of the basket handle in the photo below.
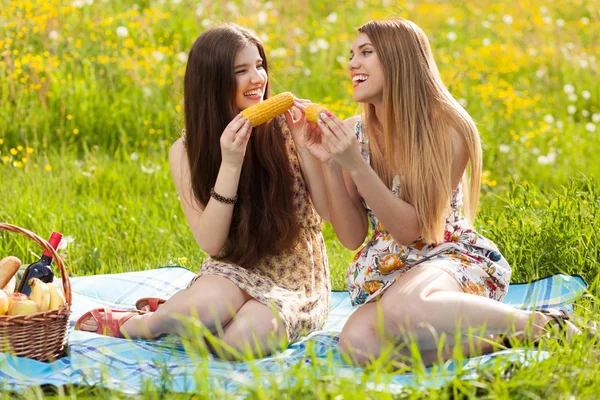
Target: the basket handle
pixel 46 246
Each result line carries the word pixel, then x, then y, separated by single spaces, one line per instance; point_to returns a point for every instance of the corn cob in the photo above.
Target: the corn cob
pixel 262 112
pixel 313 110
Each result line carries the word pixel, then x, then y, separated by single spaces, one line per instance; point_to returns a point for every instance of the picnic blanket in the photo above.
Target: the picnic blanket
pixel 129 365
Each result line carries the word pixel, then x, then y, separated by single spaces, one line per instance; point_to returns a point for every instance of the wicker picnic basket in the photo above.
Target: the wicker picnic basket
pixel 42 335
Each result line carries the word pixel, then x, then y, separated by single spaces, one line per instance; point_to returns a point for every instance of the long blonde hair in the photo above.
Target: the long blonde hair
pixel 419 118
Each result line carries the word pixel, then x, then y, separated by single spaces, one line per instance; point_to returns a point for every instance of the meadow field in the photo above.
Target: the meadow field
pixel 91 99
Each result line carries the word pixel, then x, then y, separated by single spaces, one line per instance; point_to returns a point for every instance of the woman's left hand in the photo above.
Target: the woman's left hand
pixel 340 141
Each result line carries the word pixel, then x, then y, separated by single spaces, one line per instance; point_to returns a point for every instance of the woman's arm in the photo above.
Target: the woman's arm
pixel 310 159
pixel 210 223
pixel 397 216
pixel 348 216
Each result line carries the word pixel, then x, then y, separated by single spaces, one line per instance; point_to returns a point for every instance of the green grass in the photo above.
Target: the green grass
pixel 86 120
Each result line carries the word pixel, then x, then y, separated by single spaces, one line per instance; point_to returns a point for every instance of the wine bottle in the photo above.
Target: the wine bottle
pixel 41 269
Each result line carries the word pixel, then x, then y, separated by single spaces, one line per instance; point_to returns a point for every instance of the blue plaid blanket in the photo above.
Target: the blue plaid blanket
pixel 129 365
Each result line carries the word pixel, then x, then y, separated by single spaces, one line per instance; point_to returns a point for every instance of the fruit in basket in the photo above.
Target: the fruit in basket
pixel 12 298
pixel 40 294
pixel 8 268
pixel 23 307
pixel 3 302
pixel 57 298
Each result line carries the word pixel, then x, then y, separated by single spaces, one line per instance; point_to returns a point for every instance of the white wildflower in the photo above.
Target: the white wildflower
pixel 590 127
pixel 486 24
pixel 122 31
pixel 535 151
pixel 65 241
pixel 572 97
pixel 547 20
pixel 585 20
pixel 134 156
pixel 486 41
pixel 542 160
pixel 504 148
pixel 560 124
pixel 560 22
pixel 206 23
pixel 507 19
pixel 158 56
pixel 596 117
pixel 568 88
pixel 548 118
pixel 451 21
pixel 280 52
pixel 583 63
pixel 332 18
pixel 322 44
pixel 53 35
pixel 262 17
pixel 451 36
pixel 182 56
pixel 199 10
pixel 585 113
pixel 571 109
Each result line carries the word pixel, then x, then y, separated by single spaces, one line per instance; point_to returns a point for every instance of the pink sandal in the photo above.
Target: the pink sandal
pixel 107 325
pixel 149 304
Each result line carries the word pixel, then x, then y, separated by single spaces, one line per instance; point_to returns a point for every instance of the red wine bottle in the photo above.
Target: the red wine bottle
pixel 41 269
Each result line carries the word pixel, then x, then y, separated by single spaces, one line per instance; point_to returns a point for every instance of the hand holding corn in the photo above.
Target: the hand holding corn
pixel 262 112
pixel 313 110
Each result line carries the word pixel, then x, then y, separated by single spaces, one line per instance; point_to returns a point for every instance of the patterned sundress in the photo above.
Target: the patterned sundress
pixel 296 282
pixel 470 258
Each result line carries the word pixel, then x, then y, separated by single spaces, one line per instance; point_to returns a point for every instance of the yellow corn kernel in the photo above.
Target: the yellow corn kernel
pixel 260 113
pixel 313 110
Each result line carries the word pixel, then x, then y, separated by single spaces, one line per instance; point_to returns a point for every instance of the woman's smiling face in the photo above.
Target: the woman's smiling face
pixel 250 77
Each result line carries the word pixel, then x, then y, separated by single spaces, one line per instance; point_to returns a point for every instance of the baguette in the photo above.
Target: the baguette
pixel 8 268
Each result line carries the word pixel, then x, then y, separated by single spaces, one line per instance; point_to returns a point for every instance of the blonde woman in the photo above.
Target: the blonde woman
pixel 403 166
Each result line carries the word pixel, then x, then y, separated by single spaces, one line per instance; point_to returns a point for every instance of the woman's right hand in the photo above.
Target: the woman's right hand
pixel 234 141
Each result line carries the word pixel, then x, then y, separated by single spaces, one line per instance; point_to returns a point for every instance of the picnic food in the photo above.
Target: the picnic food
pixel 3 302
pixel 41 269
pixel 260 113
pixel 40 294
pixel 57 298
pixel 8 268
pixel 23 307
pixel 313 110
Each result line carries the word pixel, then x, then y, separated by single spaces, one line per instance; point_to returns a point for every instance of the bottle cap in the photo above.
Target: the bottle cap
pixel 54 241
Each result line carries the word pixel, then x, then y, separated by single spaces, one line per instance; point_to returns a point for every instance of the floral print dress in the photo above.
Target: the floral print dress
pixel 470 258
pixel 296 282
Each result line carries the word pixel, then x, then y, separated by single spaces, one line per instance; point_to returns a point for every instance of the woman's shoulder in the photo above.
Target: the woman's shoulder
pixel 177 149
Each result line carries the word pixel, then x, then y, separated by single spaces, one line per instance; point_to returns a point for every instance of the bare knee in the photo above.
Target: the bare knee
pixel 359 344
pixel 255 331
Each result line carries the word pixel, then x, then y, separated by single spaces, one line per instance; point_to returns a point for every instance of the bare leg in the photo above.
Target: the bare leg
pixel 424 304
pixel 212 299
pixel 256 330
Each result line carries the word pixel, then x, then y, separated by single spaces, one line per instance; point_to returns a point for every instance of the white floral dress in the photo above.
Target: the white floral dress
pixel 470 258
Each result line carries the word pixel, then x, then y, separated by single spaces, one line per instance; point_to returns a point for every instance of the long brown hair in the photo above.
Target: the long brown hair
pixel 264 220
pixel 419 117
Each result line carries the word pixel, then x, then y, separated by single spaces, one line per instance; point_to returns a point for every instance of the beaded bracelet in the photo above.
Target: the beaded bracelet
pixel 222 199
